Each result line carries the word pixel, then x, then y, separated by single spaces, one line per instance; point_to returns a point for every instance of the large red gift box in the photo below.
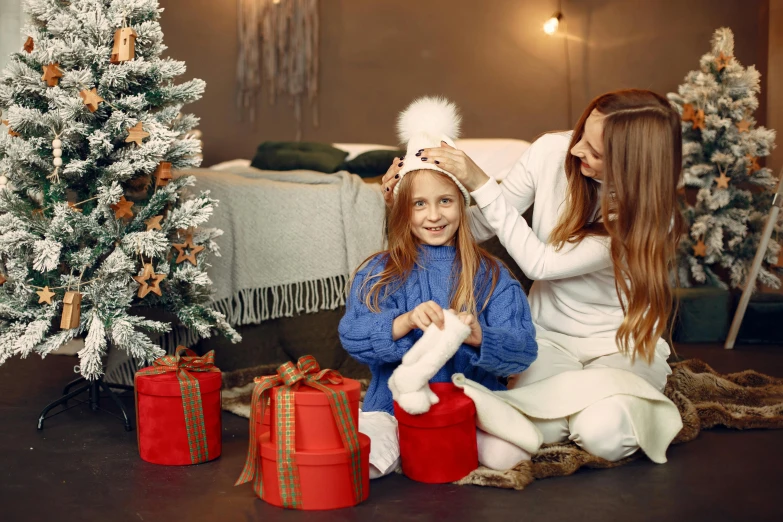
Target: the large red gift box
pixel 315 468
pixel 162 430
pixel 439 446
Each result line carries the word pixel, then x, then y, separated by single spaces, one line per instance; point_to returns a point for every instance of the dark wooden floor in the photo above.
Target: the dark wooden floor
pixel 84 467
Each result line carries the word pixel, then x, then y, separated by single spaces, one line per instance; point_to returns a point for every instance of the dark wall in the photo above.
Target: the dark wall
pixel 489 56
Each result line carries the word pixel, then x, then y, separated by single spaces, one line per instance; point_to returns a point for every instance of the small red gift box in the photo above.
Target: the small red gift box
pixel 324 476
pixel 309 453
pixel 439 446
pixel 177 428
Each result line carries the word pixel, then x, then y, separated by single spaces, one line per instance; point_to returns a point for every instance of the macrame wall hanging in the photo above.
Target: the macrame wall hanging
pixel 278 52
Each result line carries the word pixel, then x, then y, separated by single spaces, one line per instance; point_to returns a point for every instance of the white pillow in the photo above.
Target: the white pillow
pixel 231 163
pixel 354 149
pixel 496 157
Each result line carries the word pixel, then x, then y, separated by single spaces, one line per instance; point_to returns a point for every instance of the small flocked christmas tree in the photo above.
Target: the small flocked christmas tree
pixel 92 223
pixel 721 150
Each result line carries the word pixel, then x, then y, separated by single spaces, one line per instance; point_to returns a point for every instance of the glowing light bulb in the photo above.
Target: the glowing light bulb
pixel 550 26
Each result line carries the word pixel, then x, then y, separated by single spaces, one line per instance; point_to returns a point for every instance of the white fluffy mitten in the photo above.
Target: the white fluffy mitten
pixel 409 383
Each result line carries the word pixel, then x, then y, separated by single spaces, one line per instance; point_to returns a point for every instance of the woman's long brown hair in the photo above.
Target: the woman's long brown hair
pixel 403 255
pixel 639 211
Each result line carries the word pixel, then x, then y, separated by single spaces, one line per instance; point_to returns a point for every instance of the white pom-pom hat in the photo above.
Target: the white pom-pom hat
pixel 423 125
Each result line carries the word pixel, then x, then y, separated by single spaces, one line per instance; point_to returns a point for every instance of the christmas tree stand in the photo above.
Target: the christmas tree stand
pixel 93 389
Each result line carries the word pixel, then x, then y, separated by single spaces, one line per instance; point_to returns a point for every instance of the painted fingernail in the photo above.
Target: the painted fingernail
pixel 418 154
pixel 399 164
pixel 387 189
pixel 421 150
pixel 437 162
pixel 423 159
pixel 396 176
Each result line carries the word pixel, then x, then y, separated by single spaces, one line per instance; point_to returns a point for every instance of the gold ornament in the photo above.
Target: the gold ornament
pixel 124 48
pixel 137 134
pixel 153 223
pixel 72 308
pixel 52 74
pixel 700 249
pixel 122 208
pixel 45 295
pixel 91 98
pixel 154 286
pixel 187 245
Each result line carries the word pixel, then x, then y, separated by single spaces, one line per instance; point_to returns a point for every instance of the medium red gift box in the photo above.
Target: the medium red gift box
pixel 439 446
pixel 311 455
pixel 178 410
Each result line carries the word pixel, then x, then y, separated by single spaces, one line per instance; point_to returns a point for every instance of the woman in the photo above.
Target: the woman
pixel 604 235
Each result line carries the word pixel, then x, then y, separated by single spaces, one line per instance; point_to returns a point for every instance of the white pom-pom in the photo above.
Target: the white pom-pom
pixel 58 162
pixel 434 116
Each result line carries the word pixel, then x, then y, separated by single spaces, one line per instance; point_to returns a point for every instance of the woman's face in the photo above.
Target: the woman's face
pixel 590 147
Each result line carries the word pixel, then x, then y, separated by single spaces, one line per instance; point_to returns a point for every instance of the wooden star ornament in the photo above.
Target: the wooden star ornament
pixel 122 208
pixel 52 74
pixel 29 45
pixel 700 249
pixel 743 126
pixel 2 279
pixel 722 61
pixel 753 164
pixel 187 245
pixel 45 295
pixel 149 281
pixel 163 174
pixel 91 98
pixel 723 180
pixel 10 130
pixel 687 112
pixel 698 120
pixel 137 134
pixel 153 223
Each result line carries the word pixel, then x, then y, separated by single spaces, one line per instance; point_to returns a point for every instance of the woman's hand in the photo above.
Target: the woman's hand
pixel 456 162
pixel 390 179
pixel 474 339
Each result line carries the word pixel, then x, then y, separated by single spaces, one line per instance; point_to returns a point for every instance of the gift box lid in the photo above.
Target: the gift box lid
pixel 167 384
pixel 308 396
pixel 454 407
pixel 313 458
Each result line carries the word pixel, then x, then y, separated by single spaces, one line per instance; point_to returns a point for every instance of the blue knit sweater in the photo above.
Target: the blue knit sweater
pixel 508 342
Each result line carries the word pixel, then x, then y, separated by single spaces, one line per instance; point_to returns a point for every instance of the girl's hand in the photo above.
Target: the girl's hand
pixel 390 179
pixel 474 339
pixel 426 314
pixel 456 162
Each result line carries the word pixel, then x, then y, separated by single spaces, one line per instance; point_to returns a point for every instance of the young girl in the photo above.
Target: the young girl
pixel 434 264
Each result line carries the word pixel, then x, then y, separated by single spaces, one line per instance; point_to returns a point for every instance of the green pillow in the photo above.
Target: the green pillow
pixel 298 155
pixel 371 163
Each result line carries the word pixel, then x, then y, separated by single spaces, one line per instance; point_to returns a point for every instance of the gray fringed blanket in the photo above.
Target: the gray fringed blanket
pixel 291 239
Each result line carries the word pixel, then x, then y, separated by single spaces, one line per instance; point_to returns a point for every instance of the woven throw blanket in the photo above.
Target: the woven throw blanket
pixel 291 239
pixel 705 399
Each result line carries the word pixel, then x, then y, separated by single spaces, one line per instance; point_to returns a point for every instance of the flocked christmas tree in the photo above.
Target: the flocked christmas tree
pixel 92 223
pixel 721 149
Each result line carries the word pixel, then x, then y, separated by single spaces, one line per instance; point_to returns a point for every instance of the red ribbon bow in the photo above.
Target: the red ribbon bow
pixel 287 380
pixel 191 393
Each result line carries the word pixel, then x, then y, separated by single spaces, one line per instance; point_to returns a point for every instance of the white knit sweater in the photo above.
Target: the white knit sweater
pixel 574 290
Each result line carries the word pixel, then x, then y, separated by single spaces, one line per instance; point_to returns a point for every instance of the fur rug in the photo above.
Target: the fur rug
pixel 705 398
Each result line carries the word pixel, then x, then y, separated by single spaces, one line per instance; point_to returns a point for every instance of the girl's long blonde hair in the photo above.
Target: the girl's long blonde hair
pixel 403 254
pixel 639 210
